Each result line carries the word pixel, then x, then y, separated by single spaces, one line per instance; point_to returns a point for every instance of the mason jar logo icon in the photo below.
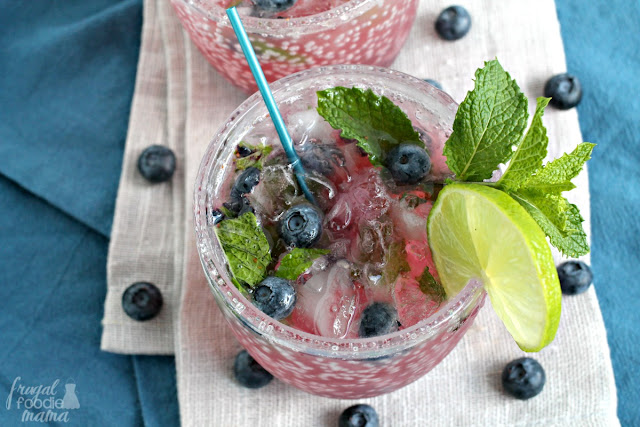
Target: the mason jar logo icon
pixel 70 400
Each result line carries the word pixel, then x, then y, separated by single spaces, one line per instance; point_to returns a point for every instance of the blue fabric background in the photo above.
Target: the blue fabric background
pixel 67 72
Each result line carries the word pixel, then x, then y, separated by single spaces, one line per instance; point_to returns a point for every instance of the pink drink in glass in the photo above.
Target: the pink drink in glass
pixel 311 33
pixel 317 348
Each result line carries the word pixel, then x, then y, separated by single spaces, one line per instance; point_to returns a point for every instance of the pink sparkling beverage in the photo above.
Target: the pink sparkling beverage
pixel 368 225
pixel 311 33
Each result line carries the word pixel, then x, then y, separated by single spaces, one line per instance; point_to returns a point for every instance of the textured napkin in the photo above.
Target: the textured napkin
pixel 180 101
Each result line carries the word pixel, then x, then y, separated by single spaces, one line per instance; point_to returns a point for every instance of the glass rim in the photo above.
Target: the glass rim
pixel 273 330
pixel 305 24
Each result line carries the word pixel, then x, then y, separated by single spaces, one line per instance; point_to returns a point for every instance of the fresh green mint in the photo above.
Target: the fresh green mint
pixel 489 121
pixel 246 248
pixel 297 262
pixel 255 159
pixel 374 121
pixel 395 262
pixel 489 124
pixel 430 286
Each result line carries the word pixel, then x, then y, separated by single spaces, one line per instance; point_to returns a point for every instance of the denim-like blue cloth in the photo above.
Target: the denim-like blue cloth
pixel 67 72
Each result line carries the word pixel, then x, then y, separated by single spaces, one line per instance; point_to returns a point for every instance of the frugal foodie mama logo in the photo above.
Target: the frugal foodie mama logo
pixel 41 402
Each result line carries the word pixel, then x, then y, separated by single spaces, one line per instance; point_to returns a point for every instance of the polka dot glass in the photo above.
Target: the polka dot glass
pixel 367 32
pixel 339 368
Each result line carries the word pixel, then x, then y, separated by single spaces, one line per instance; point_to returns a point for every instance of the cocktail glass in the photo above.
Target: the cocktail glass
pixel 338 368
pixel 367 32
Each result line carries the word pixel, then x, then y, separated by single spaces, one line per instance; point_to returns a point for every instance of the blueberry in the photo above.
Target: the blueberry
pixel 245 182
pixel 237 203
pixel 274 5
pixel 322 158
pixel 408 163
pixel 564 90
pixel 301 226
pixel 434 83
pixel 142 301
pixel 378 319
pixel 243 151
pixel 275 297
pixel 453 23
pixel 249 373
pixel 359 416
pixel 575 277
pixel 157 163
pixel 215 216
pixel 523 378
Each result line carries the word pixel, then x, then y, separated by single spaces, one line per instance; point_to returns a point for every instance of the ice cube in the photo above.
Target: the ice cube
pixel 327 302
pixel 412 304
pixel 275 192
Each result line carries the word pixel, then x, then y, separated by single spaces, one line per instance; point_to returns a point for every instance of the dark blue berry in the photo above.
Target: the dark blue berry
pixel 275 297
pixel 237 203
pixel 378 319
pixel 564 90
pixel 453 23
pixel 142 301
pixel 274 5
pixel 523 378
pixel 575 277
pixel 359 416
pixel 249 373
pixel 321 158
pixel 434 83
pixel 249 178
pixel 215 216
pixel 157 163
pixel 408 163
pixel 243 151
pixel 301 226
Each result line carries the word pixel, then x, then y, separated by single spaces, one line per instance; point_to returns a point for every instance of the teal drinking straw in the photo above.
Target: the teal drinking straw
pixel 265 91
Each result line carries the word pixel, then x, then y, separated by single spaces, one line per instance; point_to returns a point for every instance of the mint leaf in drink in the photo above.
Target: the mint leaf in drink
pixel 564 230
pixel 430 286
pixel 528 158
pixel 489 122
pixel 258 154
pixel 374 121
pixel 556 175
pixel 395 262
pixel 246 248
pixel 297 262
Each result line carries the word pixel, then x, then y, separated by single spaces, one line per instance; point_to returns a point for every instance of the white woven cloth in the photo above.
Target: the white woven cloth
pixel 180 101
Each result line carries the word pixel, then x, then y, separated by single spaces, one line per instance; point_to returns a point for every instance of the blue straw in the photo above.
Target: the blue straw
pixel 265 91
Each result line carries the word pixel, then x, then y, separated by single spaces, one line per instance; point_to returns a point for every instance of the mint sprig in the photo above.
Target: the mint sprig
pixel 430 286
pixel 246 248
pixel 374 121
pixel 256 158
pixel 489 123
pixel 297 262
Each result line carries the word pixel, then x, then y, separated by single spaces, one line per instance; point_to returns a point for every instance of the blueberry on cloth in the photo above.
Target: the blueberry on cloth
pixel 301 226
pixel 564 90
pixel 142 301
pixel 249 373
pixel 408 163
pixel 575 277
pixel 274 5
pixel 434 83
pixel 453 23
pixel 249 178
pixel 523 378
pixel 359 416
pixel 157 163
pixel 275 297
pixel 378 319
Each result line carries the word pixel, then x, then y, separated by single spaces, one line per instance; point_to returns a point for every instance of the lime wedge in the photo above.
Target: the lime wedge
pixel 479 232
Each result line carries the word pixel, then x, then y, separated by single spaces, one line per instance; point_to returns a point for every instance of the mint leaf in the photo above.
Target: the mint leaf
pixel 375 121
pixel 255 159
pixel 490 120
pixel 246 248
pixel 297 262
pixel 430 286
pixel 528 158
pixel 572 240
pixel 556 175
pixel 395 262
